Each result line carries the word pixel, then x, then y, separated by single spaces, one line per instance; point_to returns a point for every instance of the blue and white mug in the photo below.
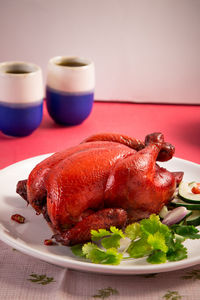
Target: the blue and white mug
pixel 21 98
pixel 70 89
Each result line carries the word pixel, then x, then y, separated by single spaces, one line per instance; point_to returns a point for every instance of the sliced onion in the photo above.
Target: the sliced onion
pixel 175 216
pixel 164 211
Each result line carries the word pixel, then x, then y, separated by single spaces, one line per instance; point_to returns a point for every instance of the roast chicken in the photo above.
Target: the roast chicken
pixel 108 179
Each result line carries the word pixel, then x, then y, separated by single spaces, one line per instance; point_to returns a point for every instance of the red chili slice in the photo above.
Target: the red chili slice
pixel 196 189
pixel 18 218
pixel 49 242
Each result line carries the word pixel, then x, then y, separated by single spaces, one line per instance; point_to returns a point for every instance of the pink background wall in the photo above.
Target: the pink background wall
pixel 144 50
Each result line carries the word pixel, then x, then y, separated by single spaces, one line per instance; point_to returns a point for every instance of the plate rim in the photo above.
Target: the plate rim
pixel 85 265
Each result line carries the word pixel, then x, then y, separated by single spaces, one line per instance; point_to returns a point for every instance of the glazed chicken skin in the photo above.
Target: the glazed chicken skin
pixel 107 180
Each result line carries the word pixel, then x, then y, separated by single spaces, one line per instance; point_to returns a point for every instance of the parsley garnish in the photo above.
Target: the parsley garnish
pixel 109 239
pixel 148 238
pixel 109 256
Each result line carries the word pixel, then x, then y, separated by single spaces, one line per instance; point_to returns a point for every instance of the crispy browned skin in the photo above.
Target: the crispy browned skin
pixel 78 183
pixel 22 189
pixel 103 218
pixel 109 179
pixel 36 185
pixel 166 152
pixel 138 185
pixel 117 138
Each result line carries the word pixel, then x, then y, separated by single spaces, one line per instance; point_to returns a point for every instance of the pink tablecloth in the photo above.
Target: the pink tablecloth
pixel 181 127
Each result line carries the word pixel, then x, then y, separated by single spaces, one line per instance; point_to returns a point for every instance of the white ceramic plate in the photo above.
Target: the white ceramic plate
pixel 29 237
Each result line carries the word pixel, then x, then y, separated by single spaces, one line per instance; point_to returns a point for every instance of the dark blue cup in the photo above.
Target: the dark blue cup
pixel 20 120
pixel 21 98
pixel 68 108
pixel 70 89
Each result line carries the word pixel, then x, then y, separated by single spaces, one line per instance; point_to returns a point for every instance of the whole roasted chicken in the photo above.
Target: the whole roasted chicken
pixel 108 179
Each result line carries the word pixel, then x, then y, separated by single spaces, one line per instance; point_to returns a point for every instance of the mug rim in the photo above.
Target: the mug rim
pixel 4 67
pixel 85 61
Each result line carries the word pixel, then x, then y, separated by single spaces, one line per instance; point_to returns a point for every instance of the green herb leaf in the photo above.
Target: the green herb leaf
pixel 133 231
pixel 186 231
pixel 157 241
pixel 113 241
pixel 96 235
pixel 177 252
pixel 157 257
pixel 97 255
pixel 149 238
pixel 153 237
pixel 77 250
pixel 109 239
pixel 139 248
pixel 153 225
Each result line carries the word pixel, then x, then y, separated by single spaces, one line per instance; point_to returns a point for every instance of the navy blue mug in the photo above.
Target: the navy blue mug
pixel 21 98
pixel 70 89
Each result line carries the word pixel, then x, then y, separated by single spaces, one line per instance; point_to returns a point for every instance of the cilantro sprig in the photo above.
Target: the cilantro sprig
pixel 148 238
pixel 109 256
pixel 109 239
